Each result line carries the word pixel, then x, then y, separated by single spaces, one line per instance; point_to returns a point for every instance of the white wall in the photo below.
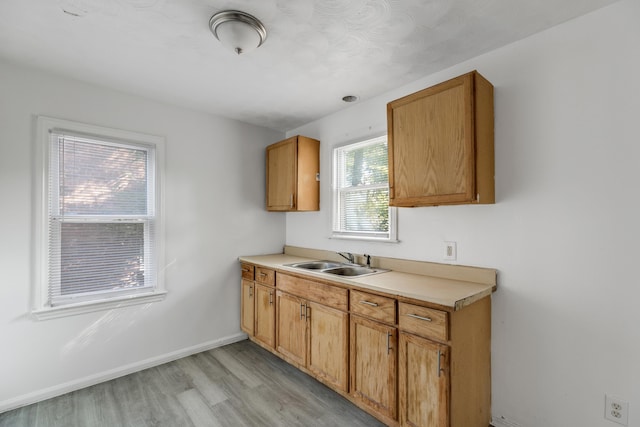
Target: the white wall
pixel 565 230
pixel 214 212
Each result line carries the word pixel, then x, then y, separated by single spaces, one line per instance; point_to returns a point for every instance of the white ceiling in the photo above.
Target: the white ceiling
pixel 316 51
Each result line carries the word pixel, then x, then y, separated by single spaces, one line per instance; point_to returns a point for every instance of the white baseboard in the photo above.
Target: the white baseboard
pixel 503 422
pixel 57 390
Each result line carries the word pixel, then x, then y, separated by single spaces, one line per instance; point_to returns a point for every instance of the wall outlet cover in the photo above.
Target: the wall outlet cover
pixel 450 251
pixel 616 410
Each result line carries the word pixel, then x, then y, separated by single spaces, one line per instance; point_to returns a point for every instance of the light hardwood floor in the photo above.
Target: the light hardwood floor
pixel 237 385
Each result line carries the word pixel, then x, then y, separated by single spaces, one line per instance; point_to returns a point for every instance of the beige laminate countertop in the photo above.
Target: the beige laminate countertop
pixel 446 293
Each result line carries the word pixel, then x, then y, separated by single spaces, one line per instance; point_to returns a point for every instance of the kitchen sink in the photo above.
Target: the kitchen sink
pixel 336 268
pixel 352 271
pixel 316 265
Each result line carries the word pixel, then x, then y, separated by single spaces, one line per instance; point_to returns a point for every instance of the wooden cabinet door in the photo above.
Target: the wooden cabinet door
pixel 423 383
pixel 247 307
pixel 441 144
pixel 432 144
pixel 291 328
pixel 373 365
pixel 265 315
pixel 281 175
pixel 328 344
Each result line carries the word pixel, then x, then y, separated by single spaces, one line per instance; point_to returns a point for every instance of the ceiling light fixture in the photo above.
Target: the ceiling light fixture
pixel 350 98
pixel 238 30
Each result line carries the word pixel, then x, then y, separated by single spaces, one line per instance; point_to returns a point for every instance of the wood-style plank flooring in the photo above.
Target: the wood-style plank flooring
pixel 237 385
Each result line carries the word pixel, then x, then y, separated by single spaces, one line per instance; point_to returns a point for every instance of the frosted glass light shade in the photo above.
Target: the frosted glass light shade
pixel 237 30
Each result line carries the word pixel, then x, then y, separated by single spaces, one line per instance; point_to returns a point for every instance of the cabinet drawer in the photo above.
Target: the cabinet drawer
pixel 331 296
pixel 423 321
pixel 374 306
pixel 265 276
pixel 247 271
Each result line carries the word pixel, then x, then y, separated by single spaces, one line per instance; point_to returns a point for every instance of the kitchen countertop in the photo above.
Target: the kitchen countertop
pixel 445 293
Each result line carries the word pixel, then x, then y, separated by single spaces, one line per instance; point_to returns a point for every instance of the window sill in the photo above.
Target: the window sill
pixel 364 238
pixel 88 307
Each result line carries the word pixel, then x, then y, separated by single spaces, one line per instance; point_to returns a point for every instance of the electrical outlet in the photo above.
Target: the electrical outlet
pixel 450 251
pixel 616 410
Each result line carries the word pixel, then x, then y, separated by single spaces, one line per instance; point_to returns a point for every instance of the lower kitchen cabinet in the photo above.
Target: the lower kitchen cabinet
pixel 313 328
pixel 373 365
pixel 423 382
pixel 247 307
pixel 265 315
pixel 292 328
pixel 315 337
pixel 328 344
pixel 405 361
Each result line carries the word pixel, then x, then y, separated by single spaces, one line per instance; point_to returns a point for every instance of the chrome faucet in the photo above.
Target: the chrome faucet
pixel 348 256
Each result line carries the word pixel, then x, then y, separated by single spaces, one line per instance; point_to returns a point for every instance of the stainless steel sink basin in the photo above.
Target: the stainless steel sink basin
pixel 352 271
pixel 336 268
pixel 316 265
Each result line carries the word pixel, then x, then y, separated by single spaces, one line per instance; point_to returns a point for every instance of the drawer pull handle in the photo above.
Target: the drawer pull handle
pixel 388 342
pixel 263 274
pixel 372 304
pixel 439 366
pixel 245 270
pixel 415 316
pixel 270 297
pixel 301 311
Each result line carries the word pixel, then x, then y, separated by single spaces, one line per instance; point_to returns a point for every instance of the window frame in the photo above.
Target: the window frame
pixel 392 235
pixel 41 308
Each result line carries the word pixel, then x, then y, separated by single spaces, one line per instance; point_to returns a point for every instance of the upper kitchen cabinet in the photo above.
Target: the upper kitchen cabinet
pixel 441 144
pixel 293 170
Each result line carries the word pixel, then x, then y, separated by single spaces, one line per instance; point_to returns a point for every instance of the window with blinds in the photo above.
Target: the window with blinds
pixel 361 191
pixel 101 206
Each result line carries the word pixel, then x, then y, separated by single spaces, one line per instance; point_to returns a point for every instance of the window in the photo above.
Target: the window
pixel 100 227
pixel 361 192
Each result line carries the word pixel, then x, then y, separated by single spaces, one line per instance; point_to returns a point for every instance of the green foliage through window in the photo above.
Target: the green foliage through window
pixel 361 188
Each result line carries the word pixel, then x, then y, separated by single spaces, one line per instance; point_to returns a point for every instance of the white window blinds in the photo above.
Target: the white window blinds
pixel 101 212
pixel 361 191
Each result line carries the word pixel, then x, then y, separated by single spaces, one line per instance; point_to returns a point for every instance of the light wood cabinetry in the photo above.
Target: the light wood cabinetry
pixel 373 354
pixel 247 271
pixel 293 167
pixel 257 306
pixel 291 331
pixel 247 301
pixel 374 306
pixel 444 374
pixel 312 328
pixel 328 344
pixel 265 314
pixel 423 382
pixel 423 372
pixel 247 306
pixel 441 144
pixel 407 362
pixel 373 365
